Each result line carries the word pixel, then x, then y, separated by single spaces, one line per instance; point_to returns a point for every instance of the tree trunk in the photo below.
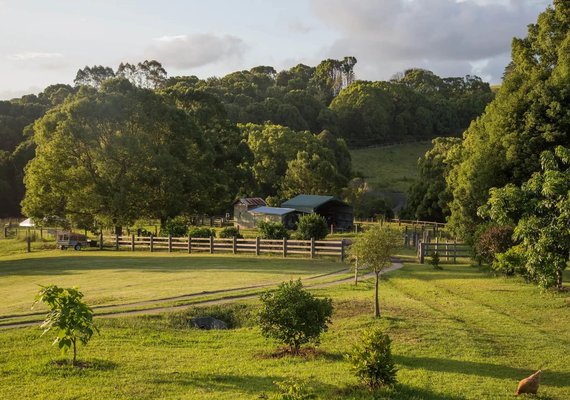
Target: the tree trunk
pixel 74 352
pixel 559 275
pixel 356 273
pixel 376 300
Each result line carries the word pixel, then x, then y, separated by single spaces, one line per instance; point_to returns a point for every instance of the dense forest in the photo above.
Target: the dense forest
pixel 257 132
pixel 506 186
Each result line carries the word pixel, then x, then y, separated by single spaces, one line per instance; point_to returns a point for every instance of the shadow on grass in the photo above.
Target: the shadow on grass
pixel 93 364
pixel 549 377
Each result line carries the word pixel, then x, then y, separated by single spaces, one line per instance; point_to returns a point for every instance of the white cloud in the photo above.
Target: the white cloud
pixel 457 37
pixel 33 55
pixel 196 50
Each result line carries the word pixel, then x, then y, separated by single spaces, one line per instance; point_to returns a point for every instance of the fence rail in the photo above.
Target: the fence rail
pixel 450 251
pixel 284 247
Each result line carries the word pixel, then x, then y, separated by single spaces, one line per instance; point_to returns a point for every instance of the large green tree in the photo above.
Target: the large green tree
pixel 115 155
pixel 530 114
pixel 540 208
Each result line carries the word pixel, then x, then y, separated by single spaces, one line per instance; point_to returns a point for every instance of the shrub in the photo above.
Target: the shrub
pixel 511 262
pixel 230 232
pixel 371 360
pixel 434 261
pixel 292 390
pixel 68 316
pixel 312 226
pixel 177 226
pixel 202 232
pixel 293 315
pixel 492 240
pixel 272 230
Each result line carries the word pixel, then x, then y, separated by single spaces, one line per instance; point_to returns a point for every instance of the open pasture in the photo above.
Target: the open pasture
pixel 458 333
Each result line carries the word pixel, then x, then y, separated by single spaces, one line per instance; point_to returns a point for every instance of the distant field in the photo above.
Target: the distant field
pixel 389 169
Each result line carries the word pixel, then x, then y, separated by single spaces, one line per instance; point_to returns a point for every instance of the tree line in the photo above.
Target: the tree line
pixel 512 167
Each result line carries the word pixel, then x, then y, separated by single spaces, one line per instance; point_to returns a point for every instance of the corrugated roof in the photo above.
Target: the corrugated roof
pixel 307 202
pixel 272 210
pixel 251 201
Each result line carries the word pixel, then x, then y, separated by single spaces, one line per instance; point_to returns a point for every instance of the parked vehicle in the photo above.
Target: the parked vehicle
pixel 70 239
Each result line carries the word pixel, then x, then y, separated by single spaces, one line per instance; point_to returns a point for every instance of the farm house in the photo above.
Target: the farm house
pixel 335 211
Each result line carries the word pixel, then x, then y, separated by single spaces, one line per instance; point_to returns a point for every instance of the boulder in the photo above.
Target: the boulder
pixel 208 323
pixel 530 384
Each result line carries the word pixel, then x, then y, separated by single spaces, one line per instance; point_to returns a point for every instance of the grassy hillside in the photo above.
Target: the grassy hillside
pixel 457 334
pixel 389 169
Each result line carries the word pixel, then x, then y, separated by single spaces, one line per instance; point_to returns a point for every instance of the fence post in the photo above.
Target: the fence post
pixel 422 252
pixel 189 244
pixel 169 243
pixel 235 245
pixel 116 242
pixel 29 240
pixel 257 246
pixel 454 251
pixel 342 250
pixel 312 247
pixel 101 240
pixel 332 229
pixel 211 245
pixel 447 250
pixel 133 242
pixel 284 247
pixel 151 242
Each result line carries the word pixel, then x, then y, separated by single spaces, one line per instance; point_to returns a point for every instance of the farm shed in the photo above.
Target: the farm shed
pixel 242 208
pixel 287 216
pixel 334 210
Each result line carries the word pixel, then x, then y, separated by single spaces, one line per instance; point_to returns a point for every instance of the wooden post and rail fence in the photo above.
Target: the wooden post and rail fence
pixel 285 247
pixel 447 251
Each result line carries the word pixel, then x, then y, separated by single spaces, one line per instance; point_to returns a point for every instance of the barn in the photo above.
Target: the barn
pixel 242 207
pixel 335 211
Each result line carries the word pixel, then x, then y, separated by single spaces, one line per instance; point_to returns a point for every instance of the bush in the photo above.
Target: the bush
pixel 293 315
pixel 312 226
pixel 434 261
pixel 272 230
pixel 492 240
pixel 511 262
pixel 371 360
pixel 292 390
pixel 177 226
pixel 202 232
pixel 230 232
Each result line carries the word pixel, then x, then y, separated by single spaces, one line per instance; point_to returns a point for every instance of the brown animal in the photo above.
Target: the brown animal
pixel 530 384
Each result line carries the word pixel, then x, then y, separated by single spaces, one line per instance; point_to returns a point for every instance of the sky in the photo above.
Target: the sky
pixel 44 42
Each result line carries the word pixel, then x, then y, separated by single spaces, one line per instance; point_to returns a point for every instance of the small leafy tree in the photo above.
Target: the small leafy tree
pixel 373 250
pixel 230 232
pixel 492 240
pixel 272 230
pixel 292 390
pixel 312 226
pixel 68 316
pixel 371 359
pixel 293 315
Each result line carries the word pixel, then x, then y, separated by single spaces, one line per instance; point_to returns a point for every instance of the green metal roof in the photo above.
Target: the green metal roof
pixel 307 202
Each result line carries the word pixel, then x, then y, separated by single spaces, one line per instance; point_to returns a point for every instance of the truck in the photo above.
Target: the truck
pixel 70 239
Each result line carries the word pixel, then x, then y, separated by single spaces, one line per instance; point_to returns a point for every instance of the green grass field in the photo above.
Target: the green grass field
pixel 458 333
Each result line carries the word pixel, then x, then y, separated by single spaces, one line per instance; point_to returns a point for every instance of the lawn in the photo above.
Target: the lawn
pixel 123 278
pixel 458 333
pixel 389 169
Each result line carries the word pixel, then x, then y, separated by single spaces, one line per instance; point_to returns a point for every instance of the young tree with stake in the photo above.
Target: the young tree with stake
pixel 373 250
